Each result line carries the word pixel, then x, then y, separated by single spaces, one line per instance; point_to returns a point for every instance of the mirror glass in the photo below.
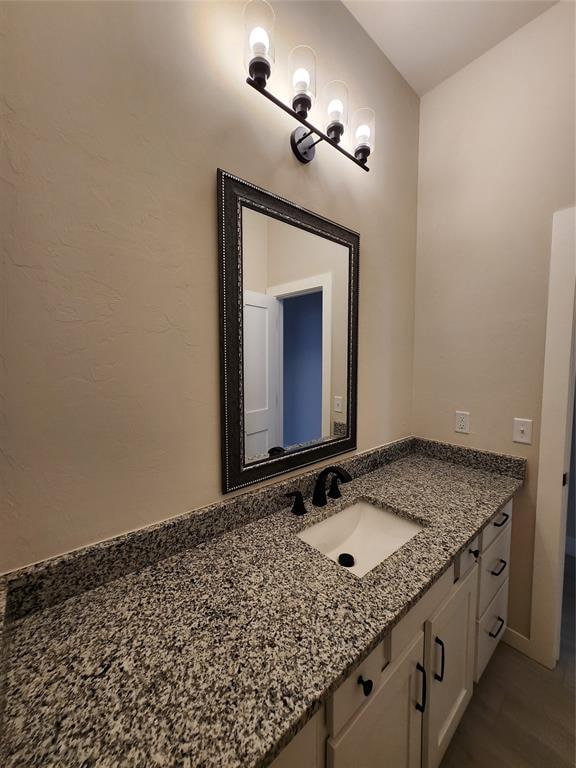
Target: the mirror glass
pixel 295 337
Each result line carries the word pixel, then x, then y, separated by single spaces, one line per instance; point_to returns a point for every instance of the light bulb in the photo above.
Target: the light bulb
pixel 335 111
pixel 363 134
pixel 259 41
pixel 301 80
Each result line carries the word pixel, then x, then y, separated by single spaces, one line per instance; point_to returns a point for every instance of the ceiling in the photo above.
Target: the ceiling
pixel 429 40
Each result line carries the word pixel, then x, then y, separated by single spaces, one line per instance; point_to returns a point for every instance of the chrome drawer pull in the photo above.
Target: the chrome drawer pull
pixel 502 622
pixel 501 569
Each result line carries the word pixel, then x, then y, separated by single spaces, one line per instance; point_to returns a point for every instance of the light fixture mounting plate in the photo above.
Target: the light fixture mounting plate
pixel 302 142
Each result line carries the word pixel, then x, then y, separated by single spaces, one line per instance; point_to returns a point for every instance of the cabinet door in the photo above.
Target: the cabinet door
pixel 449 654
pixel 306 750
pixel 387 733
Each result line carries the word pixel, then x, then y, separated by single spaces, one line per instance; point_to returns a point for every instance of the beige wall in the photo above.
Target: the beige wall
pixel 116 116
pixel 496 160
pixel 274 253
pixel 254 250
pixel 303 254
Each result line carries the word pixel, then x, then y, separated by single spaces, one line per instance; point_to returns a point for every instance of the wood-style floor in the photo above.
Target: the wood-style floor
pixel 522 715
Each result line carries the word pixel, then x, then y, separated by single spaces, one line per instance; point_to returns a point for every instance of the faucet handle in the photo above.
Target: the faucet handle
pixel 298 507
pixel 335 492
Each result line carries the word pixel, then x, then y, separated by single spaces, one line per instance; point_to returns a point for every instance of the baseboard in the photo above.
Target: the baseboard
pixel 528 647
pixel 518 641
pixel 571 546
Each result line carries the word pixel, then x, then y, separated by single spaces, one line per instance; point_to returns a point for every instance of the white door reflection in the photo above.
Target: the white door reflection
pixel 262 373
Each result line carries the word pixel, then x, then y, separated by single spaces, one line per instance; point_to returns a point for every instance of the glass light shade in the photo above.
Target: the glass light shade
pixel 258 40
pixel 336 106
pixel 302 65
pixel 363 133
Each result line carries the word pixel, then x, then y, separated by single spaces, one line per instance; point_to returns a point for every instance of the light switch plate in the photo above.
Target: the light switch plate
pixel 522 431
pixel 337 404
pixel 462 422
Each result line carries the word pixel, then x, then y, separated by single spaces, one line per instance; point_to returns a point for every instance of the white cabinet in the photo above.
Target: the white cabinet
pixel 496 527
pixel 442 644
pixel 492 611
pixel 387 731
pixel 449 659
pixel 468 558
pixel 490 628
pixel 307 748
pixel 352 695
pixel 494 568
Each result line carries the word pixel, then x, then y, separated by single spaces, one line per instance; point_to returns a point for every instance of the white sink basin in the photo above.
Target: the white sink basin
pixel 369 533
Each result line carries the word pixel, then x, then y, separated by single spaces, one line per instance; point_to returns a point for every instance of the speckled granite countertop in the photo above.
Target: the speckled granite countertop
pixel 217 655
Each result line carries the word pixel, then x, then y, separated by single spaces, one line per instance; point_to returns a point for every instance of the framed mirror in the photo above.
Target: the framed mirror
pixel 289 334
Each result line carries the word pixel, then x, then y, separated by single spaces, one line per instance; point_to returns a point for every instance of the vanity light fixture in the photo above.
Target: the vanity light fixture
pixel 303 69
pixel 336 101
pixel 259 56
pixel 259 41
pixel 364 133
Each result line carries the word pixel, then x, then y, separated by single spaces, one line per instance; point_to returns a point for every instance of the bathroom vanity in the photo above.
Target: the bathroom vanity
pixel 402 704
pixel 223 639
pixel 346 632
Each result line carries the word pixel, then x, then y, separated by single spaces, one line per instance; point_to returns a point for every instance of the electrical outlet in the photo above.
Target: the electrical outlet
pixel 337 404
pixel 522 431
pixel 462 422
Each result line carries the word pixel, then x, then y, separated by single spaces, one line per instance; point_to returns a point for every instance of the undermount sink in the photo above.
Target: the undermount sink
pixel 368 533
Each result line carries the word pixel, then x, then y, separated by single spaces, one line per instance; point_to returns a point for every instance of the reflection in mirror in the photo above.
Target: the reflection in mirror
pixel 295 337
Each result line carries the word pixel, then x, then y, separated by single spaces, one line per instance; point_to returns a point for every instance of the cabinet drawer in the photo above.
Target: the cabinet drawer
pixel 468 559
pixel 388 731
pixel 494 567
pixel 306 750
pixel 490 628
pixel 413 622
pixel 502 522
pixel 450 640
pixel 351 695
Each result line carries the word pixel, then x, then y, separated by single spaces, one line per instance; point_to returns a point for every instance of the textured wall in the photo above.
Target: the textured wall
pixel 305 255
pixel 496 161
pixel 116 116
pixel 275 253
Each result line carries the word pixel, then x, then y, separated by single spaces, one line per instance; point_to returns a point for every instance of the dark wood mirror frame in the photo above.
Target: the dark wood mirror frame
pixel 233 195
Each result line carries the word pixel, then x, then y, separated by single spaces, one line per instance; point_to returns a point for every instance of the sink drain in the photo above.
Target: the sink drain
pixel 346 560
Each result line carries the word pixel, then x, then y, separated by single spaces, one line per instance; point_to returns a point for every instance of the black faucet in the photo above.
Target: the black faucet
pixel 319 495
pixel 298 508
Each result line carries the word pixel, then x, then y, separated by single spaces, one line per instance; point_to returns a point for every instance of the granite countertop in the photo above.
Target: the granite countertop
pixel 217 655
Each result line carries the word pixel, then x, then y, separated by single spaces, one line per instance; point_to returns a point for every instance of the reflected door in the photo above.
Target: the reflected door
pixel 262 396
pixel 302 364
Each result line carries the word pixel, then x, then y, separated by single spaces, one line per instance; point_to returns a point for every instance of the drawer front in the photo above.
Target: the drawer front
pixel 490 629
pixel 388 731
pixel 352 695
pixel 494 569
pixel 412 623
pixel 501 522
pixel 306 748
pixel 468 558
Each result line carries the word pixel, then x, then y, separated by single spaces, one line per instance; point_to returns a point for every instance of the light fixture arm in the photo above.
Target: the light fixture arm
pixel 300 141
